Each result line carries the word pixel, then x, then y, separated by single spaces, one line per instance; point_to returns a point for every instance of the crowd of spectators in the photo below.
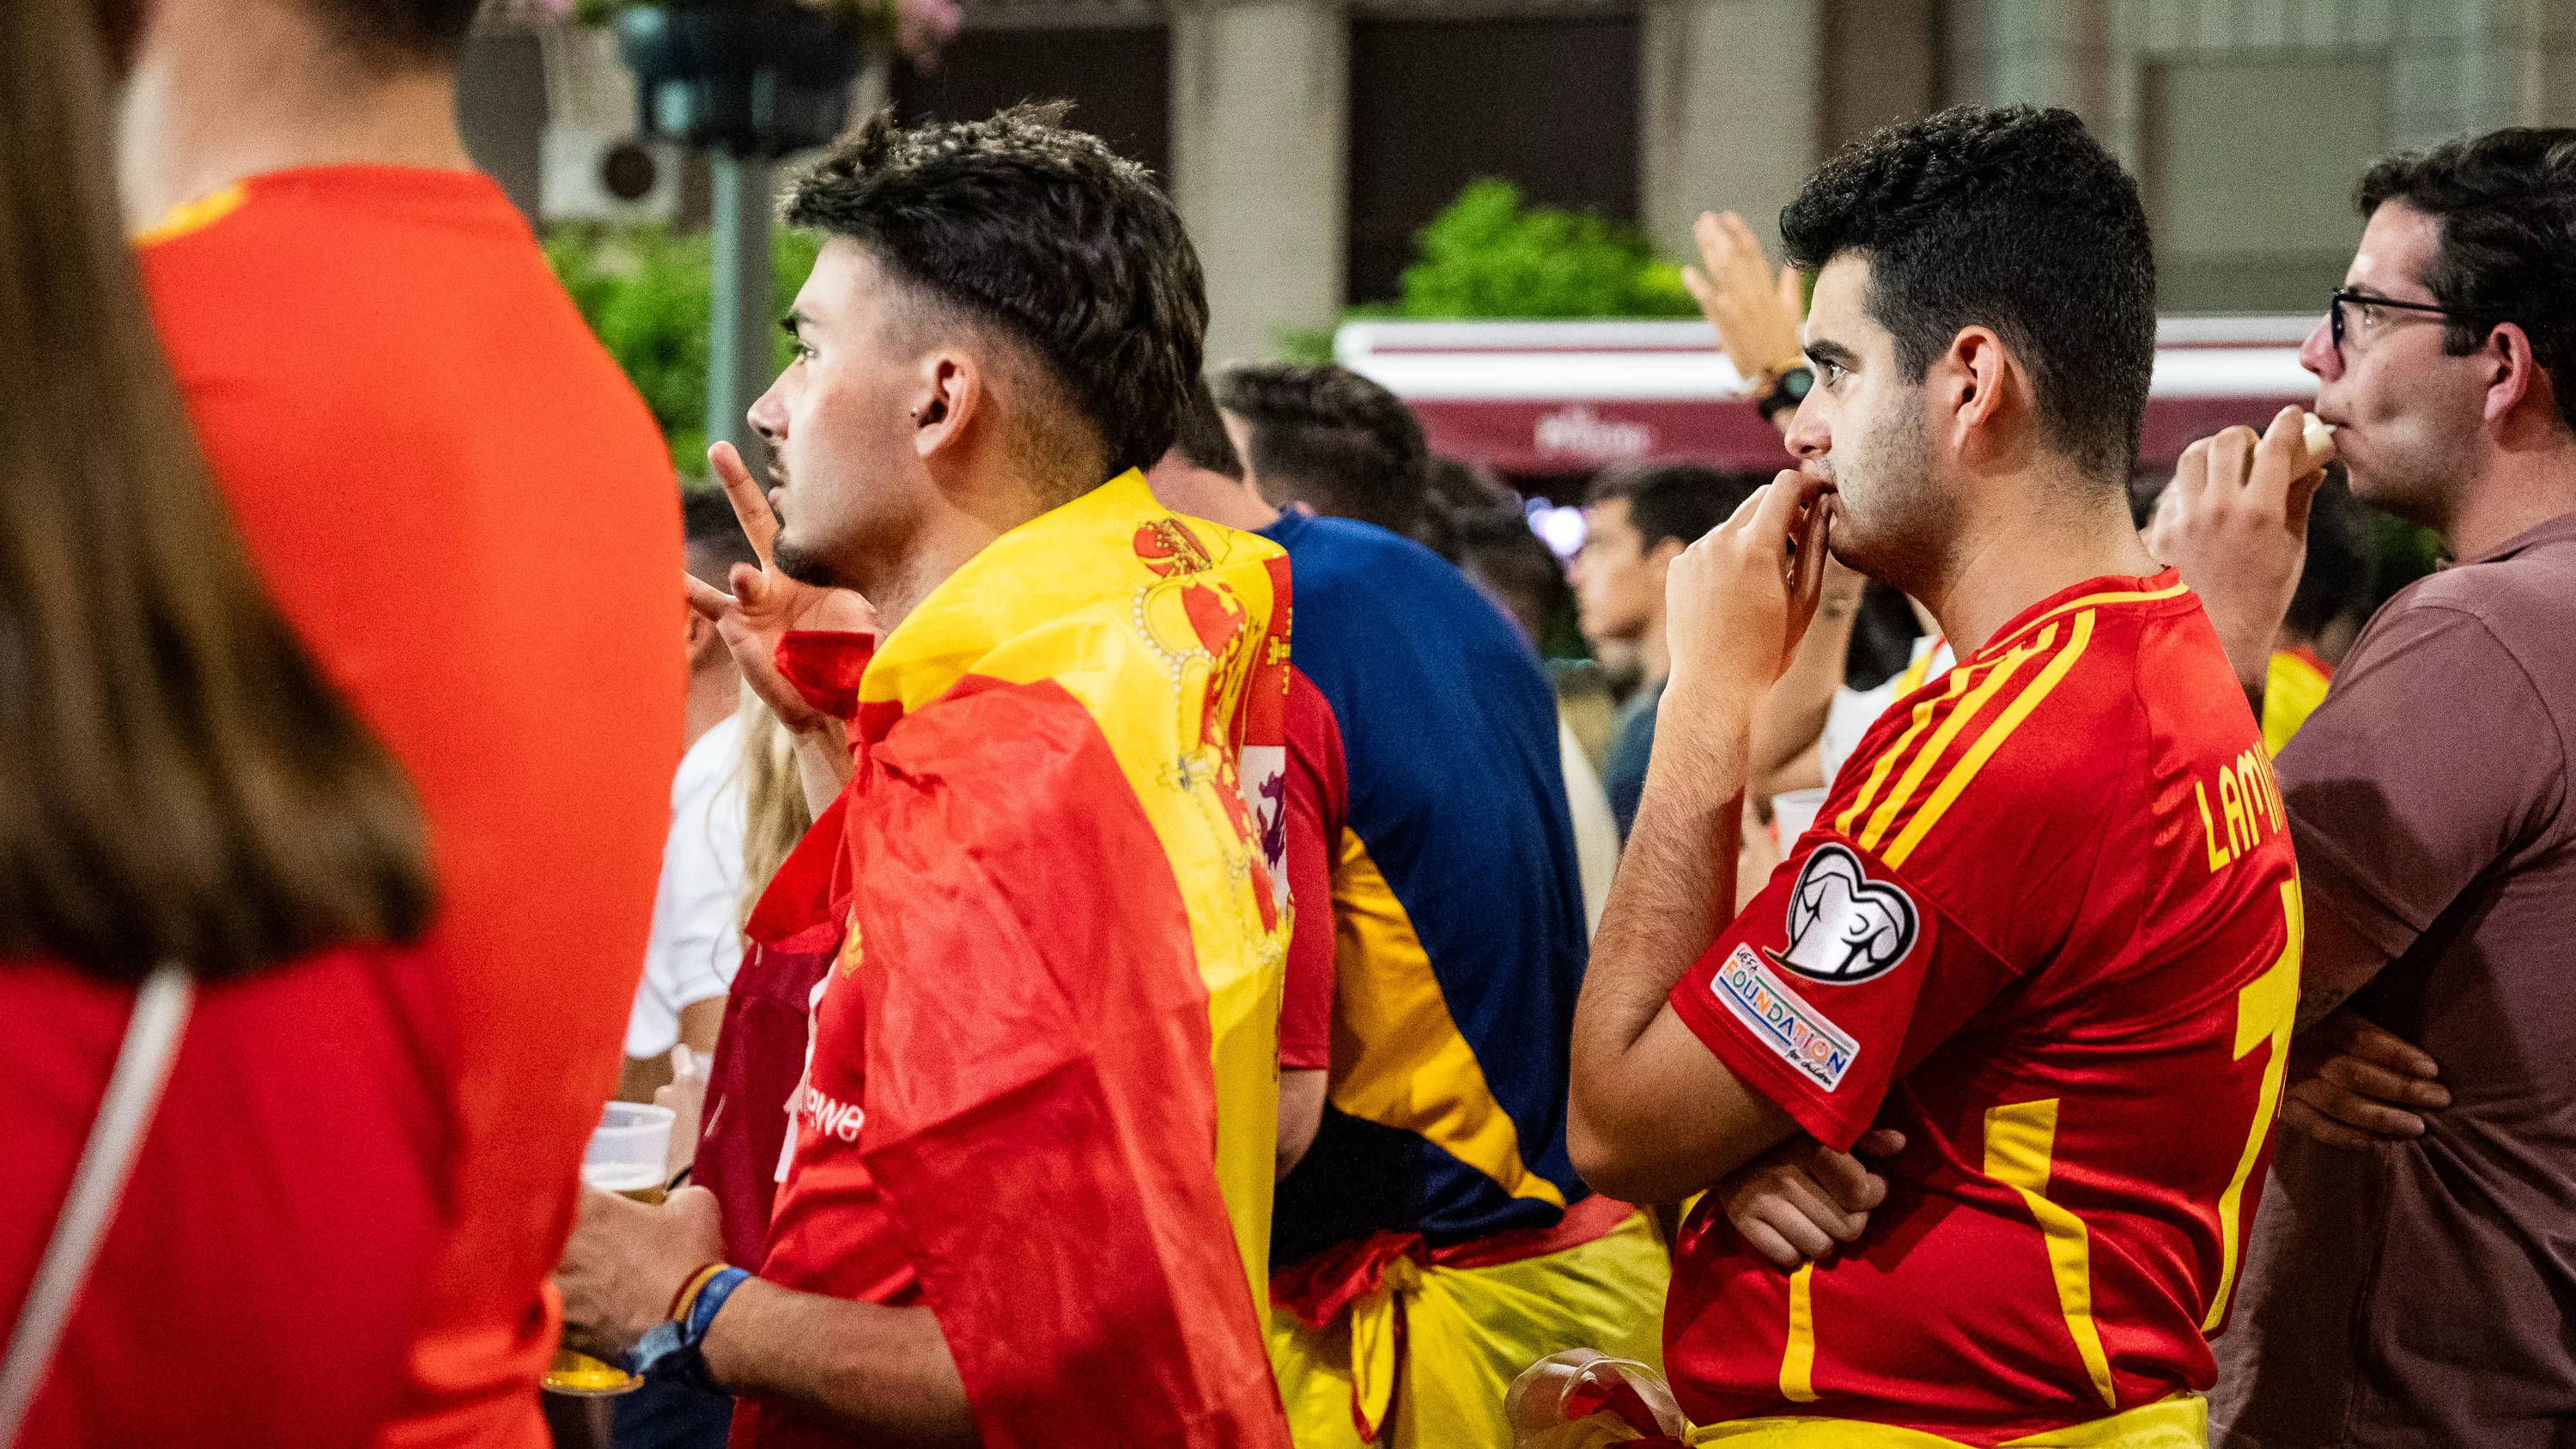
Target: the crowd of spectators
pixel 1157 938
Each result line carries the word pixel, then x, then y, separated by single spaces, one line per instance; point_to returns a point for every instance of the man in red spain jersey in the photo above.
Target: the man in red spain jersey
pixel 1027 1197
pixel 2045 930
pixel 377 362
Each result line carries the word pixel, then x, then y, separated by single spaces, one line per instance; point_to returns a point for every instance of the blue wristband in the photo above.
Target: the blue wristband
pixel 702 1314
pixel 672 1350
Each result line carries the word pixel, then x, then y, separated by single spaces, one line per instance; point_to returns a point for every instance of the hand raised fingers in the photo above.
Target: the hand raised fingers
pixel 750 506
pixel 1813 535
pixel 708 600
pixel 2231 457
pixel 2191 477
pixel 1782 507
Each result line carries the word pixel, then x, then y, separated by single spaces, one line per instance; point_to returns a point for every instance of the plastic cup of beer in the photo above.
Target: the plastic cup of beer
pixel 625 1156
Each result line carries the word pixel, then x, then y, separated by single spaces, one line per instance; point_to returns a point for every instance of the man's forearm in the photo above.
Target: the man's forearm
pixel 823 765
pixel 1675 888
pixel 881 1375
pixel 1652 1116
pixel 2335 965
pixel 1677 879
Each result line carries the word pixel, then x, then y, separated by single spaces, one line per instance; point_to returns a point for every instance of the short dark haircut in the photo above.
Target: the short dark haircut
pixel 1329 438
pixel 1458 484
pixel 399 34
pixel 1043 234
pixel 2014 219
pixel 2506 205
pixel 1498 552
pixel 715 537
pixel 2342 570
pixel 1203 438
pixel 1674 500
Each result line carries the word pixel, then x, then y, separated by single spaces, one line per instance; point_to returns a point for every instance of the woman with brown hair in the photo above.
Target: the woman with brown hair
pixel 229 1117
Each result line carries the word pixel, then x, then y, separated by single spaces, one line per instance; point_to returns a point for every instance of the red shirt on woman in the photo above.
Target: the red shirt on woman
pixel 268 1261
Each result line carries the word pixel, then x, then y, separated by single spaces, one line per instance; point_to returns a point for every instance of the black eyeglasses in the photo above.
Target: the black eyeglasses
pixel 2349 297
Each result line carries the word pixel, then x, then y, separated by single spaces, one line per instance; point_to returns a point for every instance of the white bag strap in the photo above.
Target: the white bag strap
pixel 133 1094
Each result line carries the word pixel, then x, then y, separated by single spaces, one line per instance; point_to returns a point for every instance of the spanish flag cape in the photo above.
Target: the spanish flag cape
pixel 1056 1007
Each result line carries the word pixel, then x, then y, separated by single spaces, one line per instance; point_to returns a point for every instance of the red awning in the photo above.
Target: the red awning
pixel 1568 397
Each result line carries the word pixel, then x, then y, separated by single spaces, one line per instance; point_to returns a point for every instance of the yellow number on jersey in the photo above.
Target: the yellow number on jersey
pixel 2265 1011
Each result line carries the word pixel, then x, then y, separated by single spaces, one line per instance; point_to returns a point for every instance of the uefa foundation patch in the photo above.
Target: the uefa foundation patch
pixel 1783 1019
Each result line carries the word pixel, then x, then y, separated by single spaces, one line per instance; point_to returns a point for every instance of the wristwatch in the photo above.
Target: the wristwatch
pixel 671 1349
pixel 1782 390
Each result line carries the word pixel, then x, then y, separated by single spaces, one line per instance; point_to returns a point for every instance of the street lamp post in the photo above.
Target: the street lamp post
pixel 738 346
pixel 748 81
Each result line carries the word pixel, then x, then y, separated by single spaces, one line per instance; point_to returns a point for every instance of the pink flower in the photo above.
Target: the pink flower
pixel 923 26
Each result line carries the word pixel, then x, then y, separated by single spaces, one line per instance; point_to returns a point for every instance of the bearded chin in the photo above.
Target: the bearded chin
pixel 803 567
pixel 1892 512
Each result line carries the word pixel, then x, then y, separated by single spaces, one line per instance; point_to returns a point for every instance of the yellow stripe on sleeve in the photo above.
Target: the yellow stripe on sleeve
pixel 1960 718
pixel 1960 678
pixel 1992 740
pixel 2021 1140
pixel 1798 1360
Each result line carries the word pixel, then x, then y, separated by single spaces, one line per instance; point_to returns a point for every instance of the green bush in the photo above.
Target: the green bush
pixel 648 295
pixel 1489 256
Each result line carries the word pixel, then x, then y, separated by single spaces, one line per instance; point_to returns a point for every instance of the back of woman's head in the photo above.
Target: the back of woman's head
pixel 177 779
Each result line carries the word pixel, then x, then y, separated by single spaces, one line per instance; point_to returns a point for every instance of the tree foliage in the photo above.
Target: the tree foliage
pixel 649 296
pixel 1488 255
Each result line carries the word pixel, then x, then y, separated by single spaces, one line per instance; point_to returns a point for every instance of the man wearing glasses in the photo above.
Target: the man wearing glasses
pixel 2411 1277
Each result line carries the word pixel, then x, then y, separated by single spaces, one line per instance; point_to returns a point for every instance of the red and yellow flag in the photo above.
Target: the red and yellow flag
pixel 1043 1093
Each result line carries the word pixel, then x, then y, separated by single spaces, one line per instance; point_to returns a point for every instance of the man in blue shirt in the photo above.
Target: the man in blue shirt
pixel 1638 522
pixel 1437 948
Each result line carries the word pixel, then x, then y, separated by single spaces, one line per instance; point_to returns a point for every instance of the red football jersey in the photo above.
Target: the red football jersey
pixel 2047 926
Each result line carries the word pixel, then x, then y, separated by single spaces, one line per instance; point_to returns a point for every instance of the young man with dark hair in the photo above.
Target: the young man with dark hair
pixel 383 373
pixel 1028 1197
pixel 1638 521
pixel 2011 950
pixel 1330 439
pixel 1431 1239
pixel 2431 1170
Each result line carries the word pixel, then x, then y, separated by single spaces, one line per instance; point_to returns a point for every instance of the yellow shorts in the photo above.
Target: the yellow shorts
pixel 1469 1332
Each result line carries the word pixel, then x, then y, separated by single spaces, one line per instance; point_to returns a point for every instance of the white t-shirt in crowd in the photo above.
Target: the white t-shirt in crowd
pixel 696 944
pixel 1596 831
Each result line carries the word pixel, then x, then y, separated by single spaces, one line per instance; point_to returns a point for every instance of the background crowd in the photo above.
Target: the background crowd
pixel 355 803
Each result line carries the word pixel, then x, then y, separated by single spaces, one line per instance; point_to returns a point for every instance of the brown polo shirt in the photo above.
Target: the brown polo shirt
pixel 2424 1292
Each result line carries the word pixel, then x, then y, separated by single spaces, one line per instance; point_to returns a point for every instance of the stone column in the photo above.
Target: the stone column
pixel 2071 53
pixel 2544 43
pixel 1259 160
pixel 1732 111
pixel 1883 64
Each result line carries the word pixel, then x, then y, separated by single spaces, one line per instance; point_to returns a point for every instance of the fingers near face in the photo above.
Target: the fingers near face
pixel 2231 454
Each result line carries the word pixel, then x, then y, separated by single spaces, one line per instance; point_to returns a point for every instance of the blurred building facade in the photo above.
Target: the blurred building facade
pixel 1307 140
